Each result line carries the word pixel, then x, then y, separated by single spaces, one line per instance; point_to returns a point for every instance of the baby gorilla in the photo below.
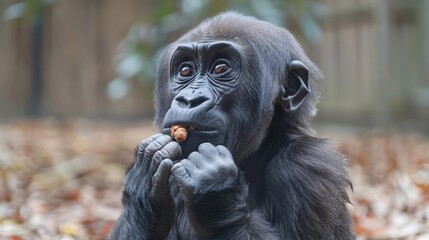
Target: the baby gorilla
pixel 243 91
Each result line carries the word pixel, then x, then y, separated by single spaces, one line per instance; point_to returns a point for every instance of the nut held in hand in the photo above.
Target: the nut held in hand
pixel 179 133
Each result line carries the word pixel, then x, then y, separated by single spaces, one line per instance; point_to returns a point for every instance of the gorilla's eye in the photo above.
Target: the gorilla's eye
pixel 220 68
pixel 186 71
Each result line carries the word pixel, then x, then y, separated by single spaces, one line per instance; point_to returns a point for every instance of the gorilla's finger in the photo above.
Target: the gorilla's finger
pixel 189 166
pixel 160 180
pixel 223 151
pixel 140 150
pixel 207 150
pixel 172 151
pixel 156 145
pixel 180 173
pixel 196 159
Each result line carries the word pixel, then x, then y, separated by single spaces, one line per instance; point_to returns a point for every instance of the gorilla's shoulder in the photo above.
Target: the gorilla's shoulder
pixel 309 158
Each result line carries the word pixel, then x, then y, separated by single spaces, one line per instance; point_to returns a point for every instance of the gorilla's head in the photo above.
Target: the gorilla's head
pixel 229 78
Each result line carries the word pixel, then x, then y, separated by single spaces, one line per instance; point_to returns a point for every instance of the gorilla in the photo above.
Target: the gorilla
pixel 250 168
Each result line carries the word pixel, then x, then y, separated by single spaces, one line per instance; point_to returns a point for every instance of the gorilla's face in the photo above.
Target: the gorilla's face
pixel 203 75
pixel 224 80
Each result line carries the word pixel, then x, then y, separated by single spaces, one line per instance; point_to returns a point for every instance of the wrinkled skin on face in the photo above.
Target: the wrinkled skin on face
pixel 202 77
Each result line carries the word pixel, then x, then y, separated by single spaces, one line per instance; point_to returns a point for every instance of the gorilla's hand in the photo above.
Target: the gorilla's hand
pixel 147 184
pixel 213 190
pixel 211 169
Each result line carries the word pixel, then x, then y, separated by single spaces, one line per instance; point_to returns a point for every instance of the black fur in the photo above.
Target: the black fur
pixel 285 183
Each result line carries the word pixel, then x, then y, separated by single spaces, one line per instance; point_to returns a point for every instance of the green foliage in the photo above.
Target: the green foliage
pixel 26 8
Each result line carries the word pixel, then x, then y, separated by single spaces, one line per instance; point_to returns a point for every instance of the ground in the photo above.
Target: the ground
pixel 63 180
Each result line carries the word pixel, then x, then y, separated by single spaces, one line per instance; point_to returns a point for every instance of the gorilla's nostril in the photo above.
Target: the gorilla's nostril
pixel 191 101
pixel 181 102
pixel 198 100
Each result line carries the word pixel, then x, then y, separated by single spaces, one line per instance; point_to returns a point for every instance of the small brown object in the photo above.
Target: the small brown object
pixel 179 133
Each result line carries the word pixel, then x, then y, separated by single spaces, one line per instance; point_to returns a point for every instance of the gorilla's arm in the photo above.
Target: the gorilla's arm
pixel 149 209
pixel 215 195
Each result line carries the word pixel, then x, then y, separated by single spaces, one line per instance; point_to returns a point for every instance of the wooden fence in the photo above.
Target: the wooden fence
pixel 80 44
pixel 374 55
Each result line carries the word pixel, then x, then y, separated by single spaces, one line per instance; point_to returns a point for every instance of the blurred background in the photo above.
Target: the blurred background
pixel 95 59
pixel 76 79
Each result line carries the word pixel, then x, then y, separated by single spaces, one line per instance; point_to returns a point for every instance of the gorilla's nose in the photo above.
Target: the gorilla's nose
pixel 194 99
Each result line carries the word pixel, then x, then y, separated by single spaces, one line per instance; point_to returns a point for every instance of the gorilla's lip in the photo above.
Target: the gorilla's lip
pixel 193 127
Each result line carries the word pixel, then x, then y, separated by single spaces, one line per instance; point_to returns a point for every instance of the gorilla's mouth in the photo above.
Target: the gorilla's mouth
pixel 190 128
pixel 196 134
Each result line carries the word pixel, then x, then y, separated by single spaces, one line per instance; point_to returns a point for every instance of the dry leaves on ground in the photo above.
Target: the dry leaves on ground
pixel 63 180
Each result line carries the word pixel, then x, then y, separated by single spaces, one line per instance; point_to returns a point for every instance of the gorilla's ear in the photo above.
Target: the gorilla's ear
pixel 296 87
